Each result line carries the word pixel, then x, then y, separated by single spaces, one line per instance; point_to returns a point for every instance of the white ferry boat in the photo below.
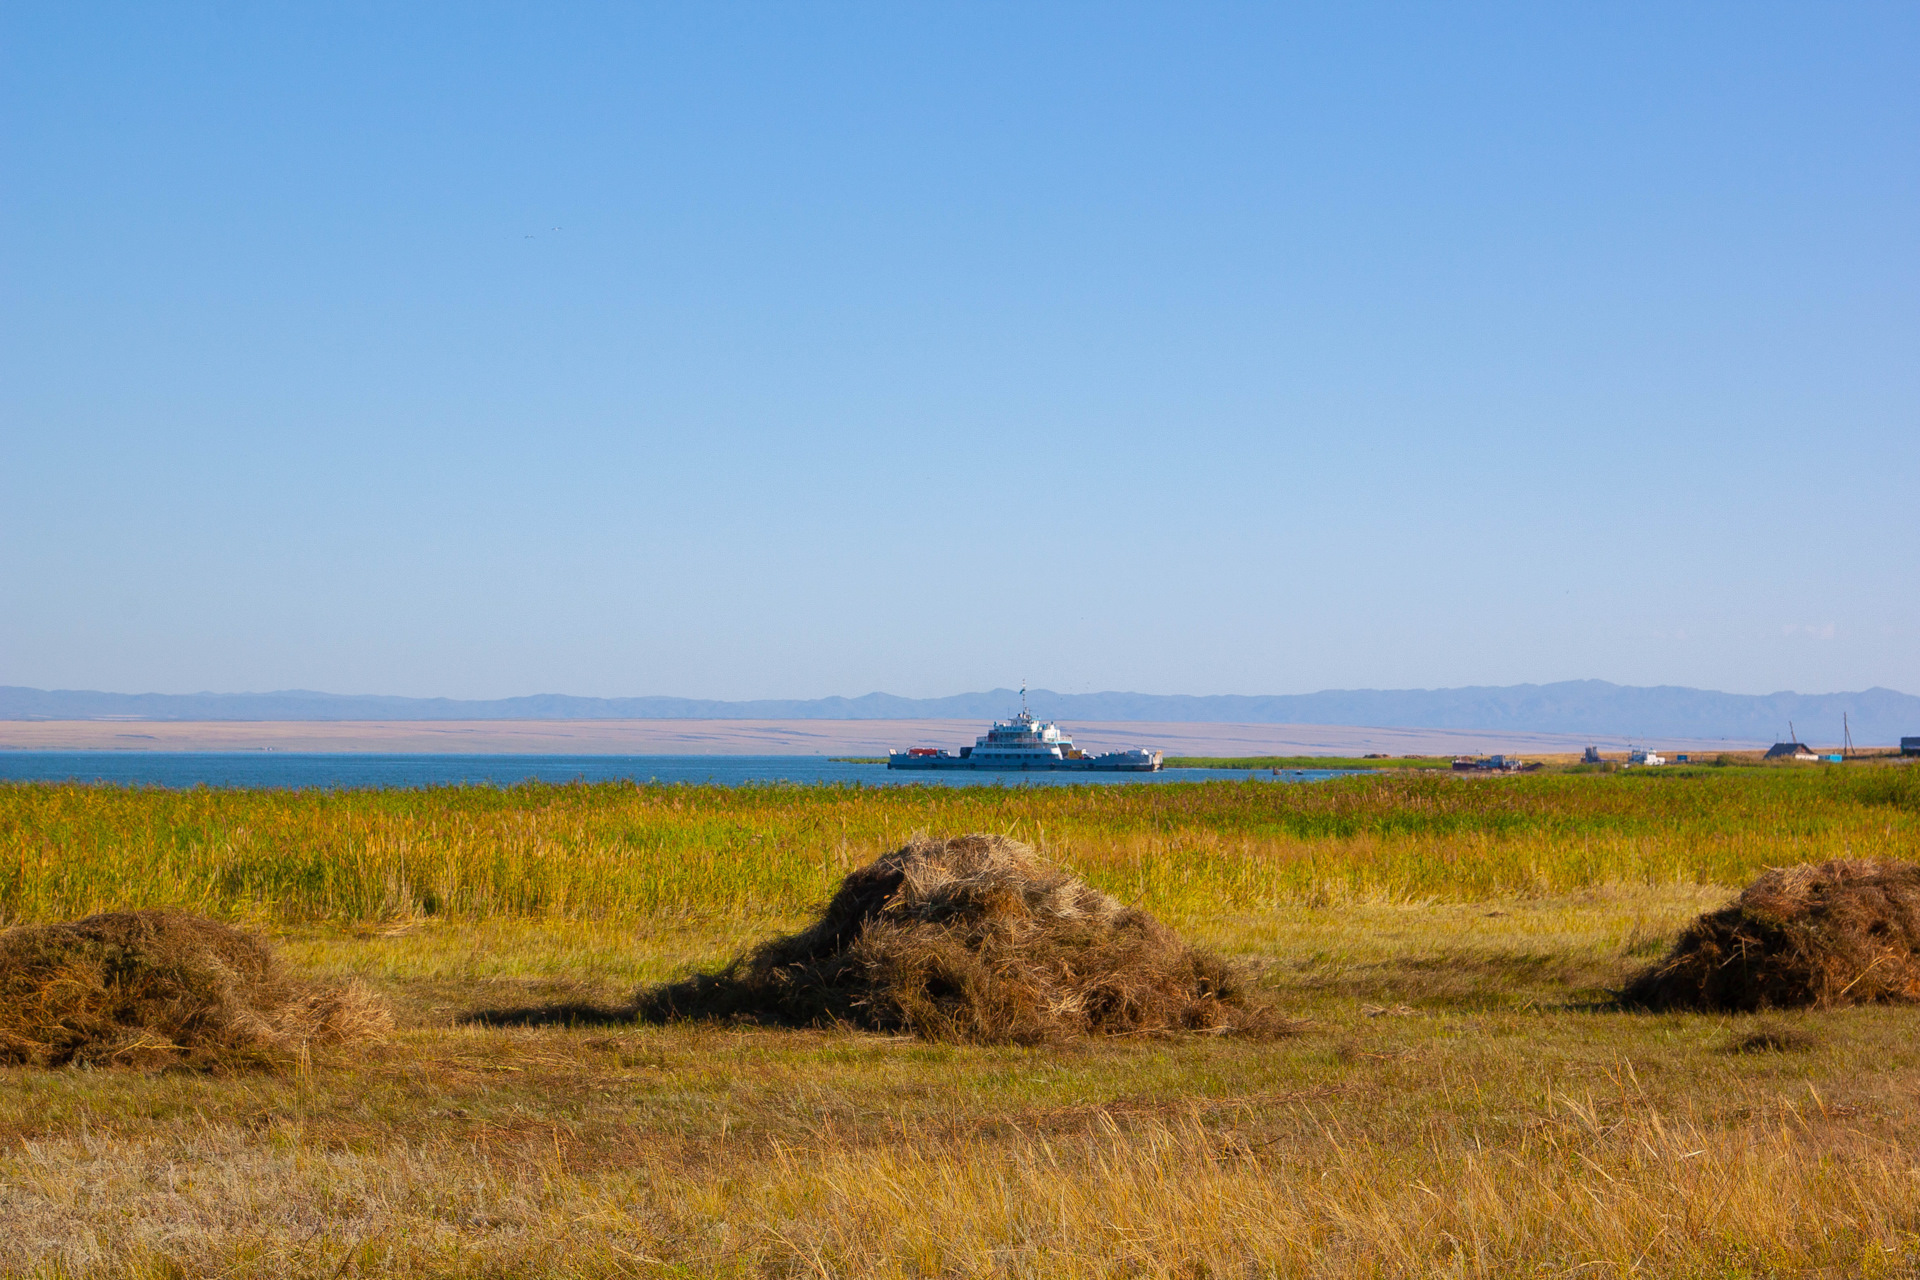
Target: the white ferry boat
pixel 1024 743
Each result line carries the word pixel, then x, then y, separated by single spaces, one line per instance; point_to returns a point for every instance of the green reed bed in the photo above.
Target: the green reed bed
pixel 618 849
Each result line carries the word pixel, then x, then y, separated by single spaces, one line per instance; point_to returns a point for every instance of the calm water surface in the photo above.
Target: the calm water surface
pixel 339 769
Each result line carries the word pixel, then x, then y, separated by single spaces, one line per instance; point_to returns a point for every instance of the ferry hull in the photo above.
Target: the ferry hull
pixel 1150 765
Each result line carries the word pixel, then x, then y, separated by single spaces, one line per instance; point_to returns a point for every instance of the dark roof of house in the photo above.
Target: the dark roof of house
pixel 1788 749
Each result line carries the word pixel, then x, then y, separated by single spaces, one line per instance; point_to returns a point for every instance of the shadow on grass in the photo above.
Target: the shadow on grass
pixel 1774 1037
pixel 553 1015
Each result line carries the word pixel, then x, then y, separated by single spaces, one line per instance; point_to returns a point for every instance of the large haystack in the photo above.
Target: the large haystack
pixel 975 939
pixel 163 988
pixel 1824 934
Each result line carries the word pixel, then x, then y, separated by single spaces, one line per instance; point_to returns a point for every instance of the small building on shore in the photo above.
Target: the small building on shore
pixel 1790 751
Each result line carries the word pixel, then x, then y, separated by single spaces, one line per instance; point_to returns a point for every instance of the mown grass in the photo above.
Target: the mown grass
pixel 1453 1108
pixel 606 850
pixel 1461 1101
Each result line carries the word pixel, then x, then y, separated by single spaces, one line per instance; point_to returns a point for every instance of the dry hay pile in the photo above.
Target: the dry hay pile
pixel 974 939
pixel 164 988
pixel 1828 933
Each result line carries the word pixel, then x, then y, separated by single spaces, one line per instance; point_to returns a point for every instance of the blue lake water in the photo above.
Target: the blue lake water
pixel 333 770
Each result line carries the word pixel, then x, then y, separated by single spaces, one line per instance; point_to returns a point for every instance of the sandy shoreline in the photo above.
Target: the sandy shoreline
pixel 766 737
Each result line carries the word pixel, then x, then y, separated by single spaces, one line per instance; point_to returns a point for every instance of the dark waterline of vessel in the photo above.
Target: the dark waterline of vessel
pixel 337 770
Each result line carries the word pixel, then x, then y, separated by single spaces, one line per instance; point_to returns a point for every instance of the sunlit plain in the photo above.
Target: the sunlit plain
pixel 1461 1101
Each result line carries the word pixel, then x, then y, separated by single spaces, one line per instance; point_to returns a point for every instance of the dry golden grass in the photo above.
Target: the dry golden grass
pixel 1454 1107
pixel 1463 1100
pixel 1605 1187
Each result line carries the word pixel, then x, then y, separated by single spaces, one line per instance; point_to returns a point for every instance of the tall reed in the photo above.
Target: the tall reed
pixel 615 849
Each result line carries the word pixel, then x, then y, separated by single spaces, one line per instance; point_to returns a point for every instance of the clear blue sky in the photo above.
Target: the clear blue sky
pixel 798 350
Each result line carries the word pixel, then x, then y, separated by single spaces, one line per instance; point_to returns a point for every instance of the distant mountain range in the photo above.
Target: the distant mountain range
pixel 1878 716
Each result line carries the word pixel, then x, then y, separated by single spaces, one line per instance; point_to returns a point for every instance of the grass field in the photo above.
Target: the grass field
pixel 1460 1100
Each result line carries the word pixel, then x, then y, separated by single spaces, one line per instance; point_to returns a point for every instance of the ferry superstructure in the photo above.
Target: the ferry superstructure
pixel 1023 743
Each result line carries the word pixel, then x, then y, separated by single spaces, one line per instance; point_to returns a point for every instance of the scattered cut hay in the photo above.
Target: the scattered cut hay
pixel 1824 934
pixel 154 989
pixel 974 939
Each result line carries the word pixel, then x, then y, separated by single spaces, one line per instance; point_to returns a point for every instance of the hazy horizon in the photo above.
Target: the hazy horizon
pixel 1875 716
